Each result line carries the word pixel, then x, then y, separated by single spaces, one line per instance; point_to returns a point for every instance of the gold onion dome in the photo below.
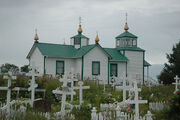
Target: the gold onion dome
pixel 126 27
pixel 36 37
pixel 97 39
pixel 79 29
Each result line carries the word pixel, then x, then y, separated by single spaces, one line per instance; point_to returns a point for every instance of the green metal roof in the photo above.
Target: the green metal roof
pixel 146 63
pixel 126 34
pixel 83 50
pixel 115 54
pixel 68 51
pixel 130 48
pixel 79 35
pixel 56 50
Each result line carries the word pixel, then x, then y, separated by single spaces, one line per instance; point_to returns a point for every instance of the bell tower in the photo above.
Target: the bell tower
pixel 79 40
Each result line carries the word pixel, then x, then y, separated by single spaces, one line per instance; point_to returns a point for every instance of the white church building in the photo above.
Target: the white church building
pixel 90 60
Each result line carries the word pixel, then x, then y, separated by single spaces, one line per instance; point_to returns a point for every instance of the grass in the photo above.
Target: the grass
pixel 94 96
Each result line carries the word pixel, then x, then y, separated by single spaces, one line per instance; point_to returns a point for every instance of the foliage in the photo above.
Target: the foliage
pixel 25 69
pixel 82 113
pixel 174 112
pixel 9 67
pixel 157 93
pixel 171 68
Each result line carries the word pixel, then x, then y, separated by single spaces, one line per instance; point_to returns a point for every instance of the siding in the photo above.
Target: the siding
pixel 135 64
pixel 38 60
pixel 50 64
pixel 96 54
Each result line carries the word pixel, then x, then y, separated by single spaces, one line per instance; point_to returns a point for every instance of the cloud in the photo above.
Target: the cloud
pixel 155 22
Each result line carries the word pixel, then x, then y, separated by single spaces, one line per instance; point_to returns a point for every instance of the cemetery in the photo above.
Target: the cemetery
pixel 43 97
pixel 84 81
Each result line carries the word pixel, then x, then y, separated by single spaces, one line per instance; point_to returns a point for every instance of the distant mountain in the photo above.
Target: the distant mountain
pixel 155 70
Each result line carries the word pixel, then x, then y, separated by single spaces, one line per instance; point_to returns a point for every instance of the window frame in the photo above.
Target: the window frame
pixel 116 69
pixel 60 61
pixel 93 62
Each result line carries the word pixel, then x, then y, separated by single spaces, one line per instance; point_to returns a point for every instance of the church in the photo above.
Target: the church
pixel 90 60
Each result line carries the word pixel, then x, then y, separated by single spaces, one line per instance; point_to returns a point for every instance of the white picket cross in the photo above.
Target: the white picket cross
pixel 81 87
pixel 33 84
pixel 65 91
pixel 10 77
pixel 176 84
pixel 136 101
pixel 125 88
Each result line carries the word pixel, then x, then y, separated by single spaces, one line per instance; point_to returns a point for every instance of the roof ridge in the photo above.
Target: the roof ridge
pixel 53 44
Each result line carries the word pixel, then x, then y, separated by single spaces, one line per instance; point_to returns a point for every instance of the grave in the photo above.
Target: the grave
pixel 177 82
pixel 81 87
pixel 136 101
pixel 33 84
pixel 125 87
pixel 9 88
pixel 64 92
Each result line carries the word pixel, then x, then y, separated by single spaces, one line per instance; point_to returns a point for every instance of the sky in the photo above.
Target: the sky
pixel 155 22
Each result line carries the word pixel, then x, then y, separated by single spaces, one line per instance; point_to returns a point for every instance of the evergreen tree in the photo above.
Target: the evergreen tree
pixel 25 68
pixel 9 67
pixel 171 68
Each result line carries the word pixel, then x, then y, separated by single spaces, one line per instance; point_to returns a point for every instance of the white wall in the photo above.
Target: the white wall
pixel 135 64
pixel 121 69
pixel 96 54
pixel 38 60
pixel 50 65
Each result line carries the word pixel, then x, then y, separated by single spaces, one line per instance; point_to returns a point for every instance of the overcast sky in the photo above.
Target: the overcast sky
pixel 155 22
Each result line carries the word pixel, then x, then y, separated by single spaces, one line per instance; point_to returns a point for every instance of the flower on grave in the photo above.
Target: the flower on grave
pixel 177 92
pixel 129 109
pixel 13 85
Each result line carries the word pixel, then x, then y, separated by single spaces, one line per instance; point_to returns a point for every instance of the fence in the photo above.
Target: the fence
pixel 157 106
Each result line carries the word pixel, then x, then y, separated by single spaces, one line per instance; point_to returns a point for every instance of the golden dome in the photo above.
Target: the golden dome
pixel 36 37
pixel 79 29
pixel 126 27
pixel 97 39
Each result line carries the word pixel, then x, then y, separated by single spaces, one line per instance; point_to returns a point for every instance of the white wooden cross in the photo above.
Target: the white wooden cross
pixel 136 101
pixel 33 84
pixel 65 91
pixel 176 84
pixel 81 87
pixel 10 77
pixel 66 81
pixel 72 86
pixel 125 88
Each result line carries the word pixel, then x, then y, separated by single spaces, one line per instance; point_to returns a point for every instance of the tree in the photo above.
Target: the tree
pixel 9 67
pixel 25 69
pixel 171 68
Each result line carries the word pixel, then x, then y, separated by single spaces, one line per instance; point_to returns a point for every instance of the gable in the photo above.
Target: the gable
pixel 115 55
pixel 98 49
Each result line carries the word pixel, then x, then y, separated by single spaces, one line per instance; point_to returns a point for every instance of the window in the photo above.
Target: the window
pixel 134 42
pixel 113 69
pixel 117 43
pixel 77 40
pixel 95 68
pixel 60 67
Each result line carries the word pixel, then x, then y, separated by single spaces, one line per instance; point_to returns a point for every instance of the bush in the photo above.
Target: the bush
pixel 82 113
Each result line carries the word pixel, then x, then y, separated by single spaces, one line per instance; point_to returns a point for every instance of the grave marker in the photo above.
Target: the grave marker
pixel 176 84
pixel 65 91
pixel 81 87
pixel 33 84
pixel 136 101
pixel 10 77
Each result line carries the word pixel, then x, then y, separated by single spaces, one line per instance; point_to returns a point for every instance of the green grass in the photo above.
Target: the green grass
pixel 94 96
